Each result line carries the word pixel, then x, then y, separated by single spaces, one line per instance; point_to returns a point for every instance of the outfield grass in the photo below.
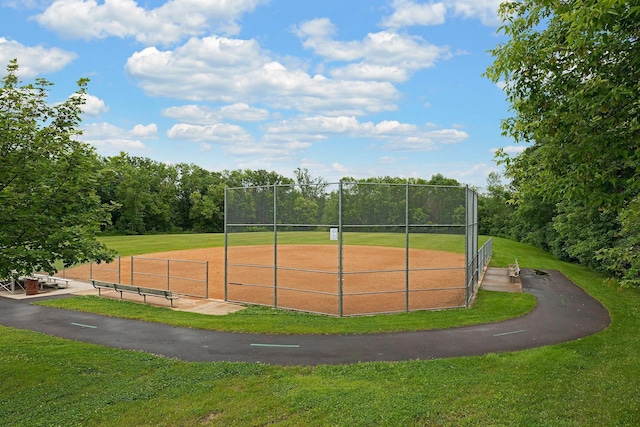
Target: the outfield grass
pixel 137 245
pixel 592 381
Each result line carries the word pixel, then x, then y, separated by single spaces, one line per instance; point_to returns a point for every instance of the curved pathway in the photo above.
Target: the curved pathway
pixel 564 313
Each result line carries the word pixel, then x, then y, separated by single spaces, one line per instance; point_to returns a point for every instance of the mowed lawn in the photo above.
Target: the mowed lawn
pixel 592 381
pixel 137 245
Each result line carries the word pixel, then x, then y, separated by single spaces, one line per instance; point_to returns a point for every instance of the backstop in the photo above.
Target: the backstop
pixel 351 248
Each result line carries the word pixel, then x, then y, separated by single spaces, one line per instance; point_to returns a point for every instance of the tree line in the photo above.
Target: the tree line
pixel 146 196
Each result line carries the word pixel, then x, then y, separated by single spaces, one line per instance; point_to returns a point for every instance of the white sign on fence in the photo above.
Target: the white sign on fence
pixel 333 234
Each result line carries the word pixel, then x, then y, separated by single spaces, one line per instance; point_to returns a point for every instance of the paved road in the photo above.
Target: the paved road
pixel 564 313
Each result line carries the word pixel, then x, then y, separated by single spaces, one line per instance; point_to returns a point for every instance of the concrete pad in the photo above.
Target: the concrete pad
pixel 497 279
pixel 184 303
pixel 207 306
pixel 75 286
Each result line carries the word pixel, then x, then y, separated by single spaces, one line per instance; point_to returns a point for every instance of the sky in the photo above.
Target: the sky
pixel 348 88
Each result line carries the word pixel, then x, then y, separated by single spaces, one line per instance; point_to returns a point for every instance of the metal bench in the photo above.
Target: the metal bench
pixel 103 285
pixel 514 271
pixel 118 287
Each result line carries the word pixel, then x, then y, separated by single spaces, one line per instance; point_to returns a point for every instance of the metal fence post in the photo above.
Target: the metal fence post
pixel 406 237
pixel 226 245
pixel 467 266
pixel 206 279
pixel 340 275
pixel 275 245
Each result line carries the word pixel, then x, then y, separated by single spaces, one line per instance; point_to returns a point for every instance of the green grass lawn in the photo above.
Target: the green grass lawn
pixel 593 381
pixel 137 245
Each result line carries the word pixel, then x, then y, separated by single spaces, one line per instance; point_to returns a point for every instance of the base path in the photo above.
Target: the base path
pixel 564 313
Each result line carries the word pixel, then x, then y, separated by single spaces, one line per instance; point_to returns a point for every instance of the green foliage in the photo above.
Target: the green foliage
pixel 50 210
pixel 623 260
pixel 495 209
pixel 581 231
pixel 571 71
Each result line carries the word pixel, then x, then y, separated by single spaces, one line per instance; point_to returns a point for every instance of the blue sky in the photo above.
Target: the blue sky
pixel 343 88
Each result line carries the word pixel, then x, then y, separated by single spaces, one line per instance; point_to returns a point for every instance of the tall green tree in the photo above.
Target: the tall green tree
pixel 49 209
pixel 145 191
pixel 571 71
pixel 494 208
pixel 200 197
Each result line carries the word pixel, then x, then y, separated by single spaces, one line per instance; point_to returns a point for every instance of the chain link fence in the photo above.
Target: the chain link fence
pixel 351 248
pixel 184 277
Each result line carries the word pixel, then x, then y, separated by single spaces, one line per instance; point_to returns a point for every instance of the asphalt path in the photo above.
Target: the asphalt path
pixel 564 313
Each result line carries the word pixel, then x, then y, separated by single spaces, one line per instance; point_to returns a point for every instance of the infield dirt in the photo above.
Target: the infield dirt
pixel 374 278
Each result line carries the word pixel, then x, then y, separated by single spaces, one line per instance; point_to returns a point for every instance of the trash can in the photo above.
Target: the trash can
pixel 31 286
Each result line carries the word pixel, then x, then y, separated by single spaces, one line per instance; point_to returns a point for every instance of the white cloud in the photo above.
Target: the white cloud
pixel 317 124
pixel 235 141
pixel 408 13
pixel 204 146
pixel 388 160
pixel 484 10
pixel 237 71
pixel 510 149
pixel 200 114
pixel 142 131
pixel 338 167
pixel 94 106
pixel 395 135
pixel 364 71
pixel 243 112
pixel 318 29
pixel 220 133
pixel 25 4
pixel 474 174
pixel 331 172
pixel 426 140
pixel 110 139
pixel 390 127
pixel 502 85
pixel 384 56
pixel 285 139
pixel 34 60
pixel 193 114
pixel 169 23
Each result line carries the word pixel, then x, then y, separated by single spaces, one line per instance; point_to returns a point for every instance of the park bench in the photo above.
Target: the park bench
pixel 514 271
pixel 118 287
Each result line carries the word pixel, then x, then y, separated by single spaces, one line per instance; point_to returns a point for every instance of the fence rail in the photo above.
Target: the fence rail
pixel 184 277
